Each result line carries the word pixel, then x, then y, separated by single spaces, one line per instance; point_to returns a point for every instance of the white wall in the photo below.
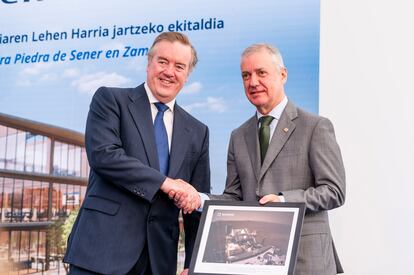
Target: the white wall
pixel 366 88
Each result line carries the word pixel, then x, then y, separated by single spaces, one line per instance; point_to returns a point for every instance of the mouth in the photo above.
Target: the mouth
pixel 166 81
pixel 255 92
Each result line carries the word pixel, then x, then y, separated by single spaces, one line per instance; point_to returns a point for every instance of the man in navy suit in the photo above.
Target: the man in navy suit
pixel 127 224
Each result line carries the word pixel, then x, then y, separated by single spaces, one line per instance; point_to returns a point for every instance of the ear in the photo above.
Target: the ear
pixel 149 60
pixel 284 74
pixel 148 65
pixel 190 70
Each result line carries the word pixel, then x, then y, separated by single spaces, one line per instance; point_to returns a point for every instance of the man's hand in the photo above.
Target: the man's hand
pixel 184 272
pixel 269 198
pixel 185 195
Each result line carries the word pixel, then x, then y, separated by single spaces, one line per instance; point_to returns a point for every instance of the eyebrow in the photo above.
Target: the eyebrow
pixel 166 59
pixel 254 70
pixel 181 64
pixel 163 58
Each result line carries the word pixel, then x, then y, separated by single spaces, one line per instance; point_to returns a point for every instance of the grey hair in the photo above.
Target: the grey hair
pixel 273 51
pixel 173 37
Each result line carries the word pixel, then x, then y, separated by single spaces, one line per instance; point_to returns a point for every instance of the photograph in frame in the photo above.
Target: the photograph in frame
pixel 247 238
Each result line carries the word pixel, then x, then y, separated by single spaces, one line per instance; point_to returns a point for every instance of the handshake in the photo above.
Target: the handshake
pixel 185 196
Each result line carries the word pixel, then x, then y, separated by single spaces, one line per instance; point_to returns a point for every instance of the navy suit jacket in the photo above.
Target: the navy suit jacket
pixel 123 208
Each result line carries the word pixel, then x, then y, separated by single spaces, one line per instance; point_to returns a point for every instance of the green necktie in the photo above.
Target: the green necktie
pixel 264 134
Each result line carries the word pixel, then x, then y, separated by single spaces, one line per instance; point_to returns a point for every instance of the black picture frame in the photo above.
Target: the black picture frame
pixel 240 238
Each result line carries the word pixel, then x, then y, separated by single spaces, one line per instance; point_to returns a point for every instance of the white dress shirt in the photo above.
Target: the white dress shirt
pixel 168 122
pixel 168 114
pixel 276 112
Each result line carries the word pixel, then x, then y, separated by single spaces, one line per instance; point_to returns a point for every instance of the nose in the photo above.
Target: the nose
pixel 169 71
pixel 253 80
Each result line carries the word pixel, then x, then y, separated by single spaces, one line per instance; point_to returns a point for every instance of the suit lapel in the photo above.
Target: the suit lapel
pixel 181 137
pixel 252 142
pixel 141 113
pixel 284 129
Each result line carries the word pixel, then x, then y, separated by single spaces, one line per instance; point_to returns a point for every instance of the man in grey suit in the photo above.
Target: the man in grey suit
pixel 284 153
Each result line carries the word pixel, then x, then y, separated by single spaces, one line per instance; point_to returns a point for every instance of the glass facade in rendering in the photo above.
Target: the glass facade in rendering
pixel 43 177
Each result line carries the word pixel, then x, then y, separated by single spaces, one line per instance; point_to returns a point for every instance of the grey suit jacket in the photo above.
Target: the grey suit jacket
pixel 304 163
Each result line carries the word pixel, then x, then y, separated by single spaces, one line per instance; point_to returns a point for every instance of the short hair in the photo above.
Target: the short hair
pixel 273 51
pixel 173 37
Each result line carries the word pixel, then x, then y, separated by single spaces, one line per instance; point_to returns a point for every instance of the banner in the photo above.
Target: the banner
pixel 55 54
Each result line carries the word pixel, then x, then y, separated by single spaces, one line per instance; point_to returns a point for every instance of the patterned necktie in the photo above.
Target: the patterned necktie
pixel 264 135
pixel 161 138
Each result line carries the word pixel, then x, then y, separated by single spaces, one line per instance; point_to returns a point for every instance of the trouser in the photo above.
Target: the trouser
pixel 141 267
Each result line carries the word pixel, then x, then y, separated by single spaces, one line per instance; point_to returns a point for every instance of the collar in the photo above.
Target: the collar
pixel 277 111
pixel 152 99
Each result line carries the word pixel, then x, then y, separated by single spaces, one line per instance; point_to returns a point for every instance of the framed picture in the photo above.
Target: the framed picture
pixel 247 238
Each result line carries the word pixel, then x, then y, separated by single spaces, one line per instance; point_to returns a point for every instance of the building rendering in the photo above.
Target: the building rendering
pixel 43 178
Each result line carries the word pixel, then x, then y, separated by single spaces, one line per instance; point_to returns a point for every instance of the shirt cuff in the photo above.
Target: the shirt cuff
pixel 203 198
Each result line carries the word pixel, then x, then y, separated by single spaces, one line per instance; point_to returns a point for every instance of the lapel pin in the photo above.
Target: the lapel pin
pixel 285 130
